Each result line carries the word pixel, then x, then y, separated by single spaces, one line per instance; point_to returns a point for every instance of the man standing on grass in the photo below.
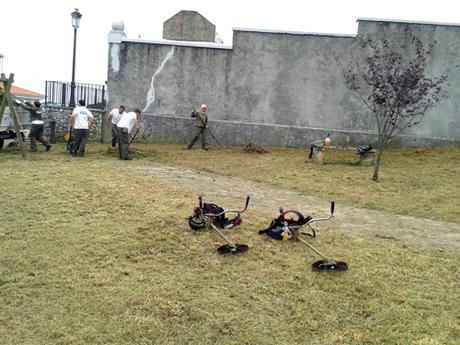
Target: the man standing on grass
pixel 124 127
pixel 115 115
pixel 81 121
pixel 36 131
pixel 200 128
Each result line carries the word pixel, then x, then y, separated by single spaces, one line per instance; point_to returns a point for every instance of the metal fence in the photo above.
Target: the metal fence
pixel 57 93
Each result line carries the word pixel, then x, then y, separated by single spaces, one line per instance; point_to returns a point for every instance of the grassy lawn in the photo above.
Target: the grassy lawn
pixel 421 183
pixel 91 253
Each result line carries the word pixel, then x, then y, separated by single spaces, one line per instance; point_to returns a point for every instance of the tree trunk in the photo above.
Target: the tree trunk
pixel 381 145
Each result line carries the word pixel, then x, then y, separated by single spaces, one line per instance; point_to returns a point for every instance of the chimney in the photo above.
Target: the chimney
pixel 189 26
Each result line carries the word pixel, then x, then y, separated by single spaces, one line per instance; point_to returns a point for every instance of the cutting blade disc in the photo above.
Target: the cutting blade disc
pixel 232 249
pixel 325 265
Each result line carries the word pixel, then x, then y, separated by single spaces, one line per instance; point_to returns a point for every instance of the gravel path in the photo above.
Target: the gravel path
pixel 267 199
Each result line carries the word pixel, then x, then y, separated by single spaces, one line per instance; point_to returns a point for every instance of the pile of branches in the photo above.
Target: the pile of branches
pixel 252 148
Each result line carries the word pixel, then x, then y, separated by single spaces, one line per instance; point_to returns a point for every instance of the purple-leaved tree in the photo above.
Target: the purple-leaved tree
pixel 393 84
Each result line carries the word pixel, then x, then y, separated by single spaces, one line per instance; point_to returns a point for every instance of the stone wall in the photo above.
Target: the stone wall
pixel 61 119
pixel 272 88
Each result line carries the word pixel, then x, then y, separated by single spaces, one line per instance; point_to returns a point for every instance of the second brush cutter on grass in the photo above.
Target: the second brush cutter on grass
pixel 217 218
pixel 287 227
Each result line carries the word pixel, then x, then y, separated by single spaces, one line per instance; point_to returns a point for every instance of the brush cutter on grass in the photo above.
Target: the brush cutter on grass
pixel 287 227
pixel 216 217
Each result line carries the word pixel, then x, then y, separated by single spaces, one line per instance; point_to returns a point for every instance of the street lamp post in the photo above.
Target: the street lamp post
pixel 76 16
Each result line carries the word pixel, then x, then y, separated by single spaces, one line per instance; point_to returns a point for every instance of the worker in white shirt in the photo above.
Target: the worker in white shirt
pixel 81 121
pixel 125 126
pixel 115 116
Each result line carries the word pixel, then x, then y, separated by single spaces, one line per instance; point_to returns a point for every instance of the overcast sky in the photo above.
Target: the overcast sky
pixel 36 36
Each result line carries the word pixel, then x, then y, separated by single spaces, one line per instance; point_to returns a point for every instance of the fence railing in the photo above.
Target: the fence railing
pixel 57 93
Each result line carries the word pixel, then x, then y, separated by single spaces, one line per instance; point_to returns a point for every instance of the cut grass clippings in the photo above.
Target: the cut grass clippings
pixel 91 253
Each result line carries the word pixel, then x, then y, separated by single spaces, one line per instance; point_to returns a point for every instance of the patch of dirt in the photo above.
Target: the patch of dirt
pixel 267 199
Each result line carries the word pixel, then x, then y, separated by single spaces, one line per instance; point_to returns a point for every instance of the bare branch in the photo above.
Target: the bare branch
pixel 392 83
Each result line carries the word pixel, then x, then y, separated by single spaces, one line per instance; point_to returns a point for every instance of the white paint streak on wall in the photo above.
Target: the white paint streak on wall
pixel 115 57
pixel 151 93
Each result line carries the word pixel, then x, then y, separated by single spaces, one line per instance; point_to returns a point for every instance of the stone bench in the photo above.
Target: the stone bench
pixel 366 155
pixel 316 151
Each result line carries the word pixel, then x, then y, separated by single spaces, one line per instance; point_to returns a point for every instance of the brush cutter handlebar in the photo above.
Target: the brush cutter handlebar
pixel 311 220
pixel 247 204
pixel 314 220
pixel 237 212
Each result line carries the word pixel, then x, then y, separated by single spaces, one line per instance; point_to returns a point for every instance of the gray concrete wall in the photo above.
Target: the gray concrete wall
pixel 272 88
pixel 442 121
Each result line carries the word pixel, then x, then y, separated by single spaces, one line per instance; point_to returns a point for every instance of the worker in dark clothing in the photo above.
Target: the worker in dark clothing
pixel 36 131
pixel 200 128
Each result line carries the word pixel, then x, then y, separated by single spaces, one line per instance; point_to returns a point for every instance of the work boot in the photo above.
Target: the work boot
pixel 48 147
pixel 205 148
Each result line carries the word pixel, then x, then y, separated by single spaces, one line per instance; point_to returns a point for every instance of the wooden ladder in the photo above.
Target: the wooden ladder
pixel 7 100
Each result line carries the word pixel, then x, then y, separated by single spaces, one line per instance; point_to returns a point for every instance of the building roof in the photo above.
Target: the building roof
pixel 185 13
pixel 293 32
pixel 180 43
pixel 400 21
pixel 20 92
